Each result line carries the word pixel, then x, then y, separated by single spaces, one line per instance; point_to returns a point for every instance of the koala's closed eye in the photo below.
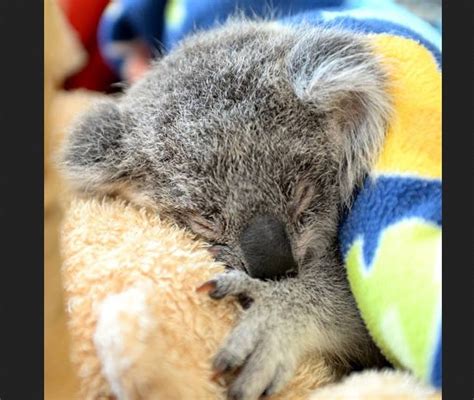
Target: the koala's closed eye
pixel 217 250
pixel 204 227
pixel 303 196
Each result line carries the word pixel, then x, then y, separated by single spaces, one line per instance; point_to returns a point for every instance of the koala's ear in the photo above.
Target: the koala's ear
pixel 93 158
pixel 338 74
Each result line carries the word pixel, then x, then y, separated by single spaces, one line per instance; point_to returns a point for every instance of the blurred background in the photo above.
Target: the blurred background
pixel 92 49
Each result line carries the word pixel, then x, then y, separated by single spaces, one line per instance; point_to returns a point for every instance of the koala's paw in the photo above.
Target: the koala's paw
pixel 261 344
pixel 234 283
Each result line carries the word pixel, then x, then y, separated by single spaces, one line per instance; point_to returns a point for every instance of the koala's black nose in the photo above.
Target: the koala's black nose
pixel 267 249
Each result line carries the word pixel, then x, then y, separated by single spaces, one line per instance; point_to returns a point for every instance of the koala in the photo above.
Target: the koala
pixel 254 136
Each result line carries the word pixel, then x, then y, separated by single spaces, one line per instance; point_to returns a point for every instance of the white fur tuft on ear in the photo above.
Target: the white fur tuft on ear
pixel 338 74
pixel 93 157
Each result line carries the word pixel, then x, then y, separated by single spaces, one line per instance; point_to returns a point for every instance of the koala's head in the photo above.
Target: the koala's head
pixel 250 119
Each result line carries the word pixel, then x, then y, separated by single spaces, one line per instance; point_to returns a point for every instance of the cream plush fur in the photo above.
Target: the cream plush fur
pixel 139 329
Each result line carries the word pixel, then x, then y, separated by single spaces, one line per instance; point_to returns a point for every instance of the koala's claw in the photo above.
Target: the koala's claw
pixel 219 288
pixel 232 283
pixel 257 350
pixel 225 362
pixel 264 371
pixel 208 286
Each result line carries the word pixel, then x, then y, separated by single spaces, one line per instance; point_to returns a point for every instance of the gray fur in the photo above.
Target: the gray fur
pixel 250 119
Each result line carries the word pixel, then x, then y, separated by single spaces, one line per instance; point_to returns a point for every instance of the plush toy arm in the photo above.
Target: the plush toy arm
pixel 378 385
pixel 139 329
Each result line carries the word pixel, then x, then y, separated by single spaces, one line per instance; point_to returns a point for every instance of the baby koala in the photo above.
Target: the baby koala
pixel 254 136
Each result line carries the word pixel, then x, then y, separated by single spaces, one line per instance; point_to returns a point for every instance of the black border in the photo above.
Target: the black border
pixel 21 209
pixel 458 199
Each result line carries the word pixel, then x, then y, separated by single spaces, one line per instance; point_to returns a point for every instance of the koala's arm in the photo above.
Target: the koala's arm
pixel 288 320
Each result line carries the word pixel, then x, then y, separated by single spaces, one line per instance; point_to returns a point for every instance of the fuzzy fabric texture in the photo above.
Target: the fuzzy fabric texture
pixel 139 329
pixel 391 238
pixel 373 385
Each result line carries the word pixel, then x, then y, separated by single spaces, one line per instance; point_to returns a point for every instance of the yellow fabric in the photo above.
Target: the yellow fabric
pixel 416 124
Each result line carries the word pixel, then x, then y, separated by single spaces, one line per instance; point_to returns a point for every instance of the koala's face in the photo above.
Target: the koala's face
pixel 249 119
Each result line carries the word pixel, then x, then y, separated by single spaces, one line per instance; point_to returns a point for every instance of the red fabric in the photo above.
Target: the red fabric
pixel 84 17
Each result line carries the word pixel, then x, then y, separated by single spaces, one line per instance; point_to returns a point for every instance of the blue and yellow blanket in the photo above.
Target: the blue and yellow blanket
pixel 391 237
